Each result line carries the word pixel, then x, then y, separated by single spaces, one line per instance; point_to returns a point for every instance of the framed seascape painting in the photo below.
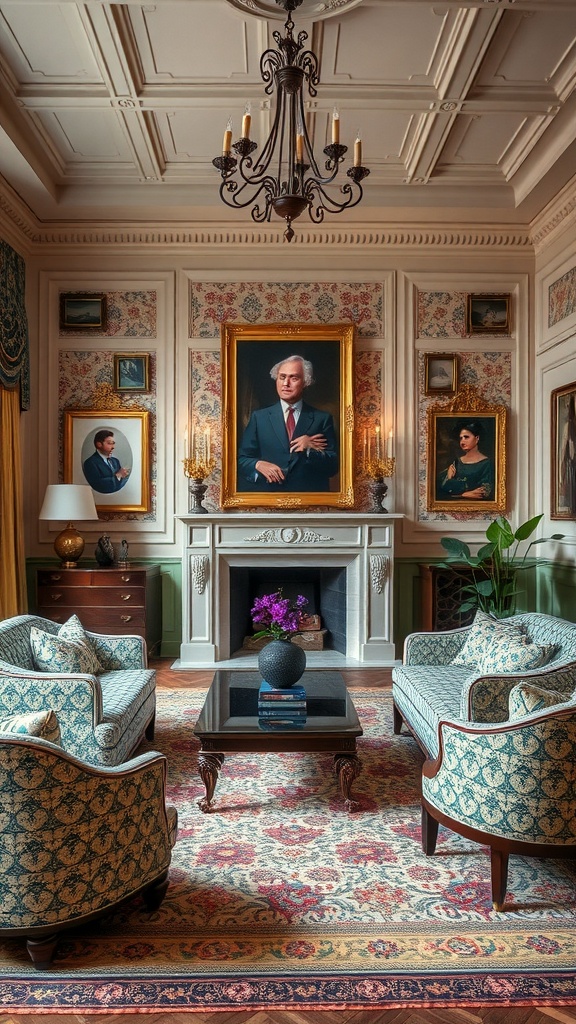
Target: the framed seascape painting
pixel 563 455
pixel 83 312
pixel 288 420
pixel 489 314
pixel 110 450
pixel 440 374
pixel 132 371
pixel 466 458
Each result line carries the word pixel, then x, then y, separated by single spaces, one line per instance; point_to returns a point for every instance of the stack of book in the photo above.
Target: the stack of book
pixel 281 709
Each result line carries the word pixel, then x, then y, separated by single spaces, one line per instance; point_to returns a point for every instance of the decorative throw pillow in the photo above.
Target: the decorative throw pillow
pixel 38 723
pixel 506 654
pixel 61 653
pixel 525 699
pixel 483 631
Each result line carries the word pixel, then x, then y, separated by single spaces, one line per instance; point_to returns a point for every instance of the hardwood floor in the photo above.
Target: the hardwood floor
pixel 465 1015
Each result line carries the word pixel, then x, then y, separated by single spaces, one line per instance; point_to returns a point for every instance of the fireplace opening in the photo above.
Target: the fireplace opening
pixel 324 586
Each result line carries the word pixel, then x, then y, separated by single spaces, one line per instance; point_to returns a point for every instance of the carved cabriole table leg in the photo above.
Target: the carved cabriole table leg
pixel 347 767
pixel 209 766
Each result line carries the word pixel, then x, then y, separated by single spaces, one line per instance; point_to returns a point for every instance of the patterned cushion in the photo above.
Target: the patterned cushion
pixel 506 654
pixel 483 631
pixel 69 651
pixel 525 699
pixel 37 723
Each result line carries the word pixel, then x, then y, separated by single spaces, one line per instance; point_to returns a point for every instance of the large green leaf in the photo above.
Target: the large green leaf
pixel 527 529
pixel 500 533
pixel 455 548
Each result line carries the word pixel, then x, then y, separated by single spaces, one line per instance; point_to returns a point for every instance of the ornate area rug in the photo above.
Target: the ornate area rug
pixel 281 899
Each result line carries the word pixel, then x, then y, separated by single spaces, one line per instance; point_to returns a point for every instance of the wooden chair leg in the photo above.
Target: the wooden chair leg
pixel 396 720
pixel 41 951
pixel 499 877
pixel 429 832
pixel 156 892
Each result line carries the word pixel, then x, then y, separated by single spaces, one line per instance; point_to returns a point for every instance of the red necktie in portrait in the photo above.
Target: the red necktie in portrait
pixel 290 423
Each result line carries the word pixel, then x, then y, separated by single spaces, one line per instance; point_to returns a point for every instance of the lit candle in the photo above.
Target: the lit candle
pixel 378 449
pixel 390 445
pixel 358 151
pixel 335 126
pixel 227 140
pixel 299 144
pixel 246 122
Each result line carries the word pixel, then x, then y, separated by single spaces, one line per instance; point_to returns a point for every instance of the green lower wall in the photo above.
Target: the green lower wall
pixel 171 572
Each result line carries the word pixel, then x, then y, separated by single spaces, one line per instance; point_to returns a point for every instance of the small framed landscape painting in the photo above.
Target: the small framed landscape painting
pixel 132 371
pixel 80 312
pixel 440 374
pixel 489 314
pixel 563 455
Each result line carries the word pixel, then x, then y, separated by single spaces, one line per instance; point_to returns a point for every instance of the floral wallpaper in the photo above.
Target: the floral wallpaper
pixel 562 298
pixel 86 381
pixel 128 315
pixel 212 304
pixel 441 315
pixel 490 374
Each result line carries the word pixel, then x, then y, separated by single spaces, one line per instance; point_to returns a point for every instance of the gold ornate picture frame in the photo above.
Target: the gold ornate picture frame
pixel 132 371
pixel 123 483
pixel 563 453
pixel 252 429
pixel 466 455
pixel 440 373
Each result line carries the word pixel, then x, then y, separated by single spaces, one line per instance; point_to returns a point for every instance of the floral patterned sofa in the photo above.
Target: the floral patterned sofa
pixel 493 706
pixel 100 687
pixel 76 840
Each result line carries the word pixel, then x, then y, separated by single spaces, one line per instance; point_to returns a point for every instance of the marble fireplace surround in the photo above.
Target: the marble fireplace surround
pixel 362 544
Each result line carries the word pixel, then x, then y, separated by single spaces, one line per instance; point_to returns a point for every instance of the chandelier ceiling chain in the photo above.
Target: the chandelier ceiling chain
pixel 286 177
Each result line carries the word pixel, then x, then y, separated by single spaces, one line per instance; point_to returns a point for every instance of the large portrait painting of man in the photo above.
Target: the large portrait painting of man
pixel 287 415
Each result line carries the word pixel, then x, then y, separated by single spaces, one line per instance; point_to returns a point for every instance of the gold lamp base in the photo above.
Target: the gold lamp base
pixel 69 546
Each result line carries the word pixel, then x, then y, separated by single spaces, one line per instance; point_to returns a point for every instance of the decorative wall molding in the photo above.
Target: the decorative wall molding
pixel 379 566
pixel 199 573
pixel 289 535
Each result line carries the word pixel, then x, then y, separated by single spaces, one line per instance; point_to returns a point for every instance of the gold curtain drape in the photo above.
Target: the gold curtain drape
pixel 13 599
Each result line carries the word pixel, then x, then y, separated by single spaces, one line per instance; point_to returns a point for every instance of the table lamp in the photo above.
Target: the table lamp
pixel 66 502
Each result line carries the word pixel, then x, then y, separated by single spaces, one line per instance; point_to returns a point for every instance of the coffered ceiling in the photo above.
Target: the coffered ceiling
pixel 111 112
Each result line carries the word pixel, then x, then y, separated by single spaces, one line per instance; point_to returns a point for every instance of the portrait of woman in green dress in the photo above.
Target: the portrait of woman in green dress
pixel 470 475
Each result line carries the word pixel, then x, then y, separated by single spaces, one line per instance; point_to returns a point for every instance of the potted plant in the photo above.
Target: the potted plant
pixel 496 565
pixel 281 663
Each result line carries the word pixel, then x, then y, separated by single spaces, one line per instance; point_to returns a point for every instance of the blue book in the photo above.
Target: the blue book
pixel 280 724
pixel 275 693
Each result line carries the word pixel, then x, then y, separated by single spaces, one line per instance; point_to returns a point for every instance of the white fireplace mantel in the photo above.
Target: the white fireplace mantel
pixel 361 543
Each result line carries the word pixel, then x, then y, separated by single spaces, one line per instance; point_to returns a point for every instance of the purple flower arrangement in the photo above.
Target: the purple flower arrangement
pixel 278 616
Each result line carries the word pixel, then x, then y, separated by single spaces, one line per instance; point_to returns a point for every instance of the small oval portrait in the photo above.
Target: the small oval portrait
pixel 107 459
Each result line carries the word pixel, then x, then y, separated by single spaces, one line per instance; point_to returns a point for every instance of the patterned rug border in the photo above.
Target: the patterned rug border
pixel 308 993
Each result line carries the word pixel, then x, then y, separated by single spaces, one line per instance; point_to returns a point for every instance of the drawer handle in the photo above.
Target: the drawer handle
pixel 126 618
pixel 55 597
pixel 125 579
pixel 125 597
pixel 55 576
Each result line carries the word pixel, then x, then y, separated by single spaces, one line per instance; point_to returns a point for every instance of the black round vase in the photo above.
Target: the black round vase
pixel 281 663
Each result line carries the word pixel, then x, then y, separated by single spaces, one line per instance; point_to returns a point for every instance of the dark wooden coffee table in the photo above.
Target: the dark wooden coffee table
pixel 228 724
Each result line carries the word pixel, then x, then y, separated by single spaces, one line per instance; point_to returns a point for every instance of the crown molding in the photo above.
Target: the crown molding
pixel 558 217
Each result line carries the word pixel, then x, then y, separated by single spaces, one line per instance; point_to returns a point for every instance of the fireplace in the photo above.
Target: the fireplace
pixel 344 559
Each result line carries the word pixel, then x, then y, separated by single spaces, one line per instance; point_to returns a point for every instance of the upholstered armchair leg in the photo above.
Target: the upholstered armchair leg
pixel 150 728
pixel 396 720
pixel 499 876
pixel 429 832
pixel 156 892
pixel 41 951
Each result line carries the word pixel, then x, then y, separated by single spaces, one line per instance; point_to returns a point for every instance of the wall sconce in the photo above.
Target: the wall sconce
pixel 65 502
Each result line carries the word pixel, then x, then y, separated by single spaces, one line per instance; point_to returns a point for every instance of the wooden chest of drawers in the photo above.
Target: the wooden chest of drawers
pixel 105 600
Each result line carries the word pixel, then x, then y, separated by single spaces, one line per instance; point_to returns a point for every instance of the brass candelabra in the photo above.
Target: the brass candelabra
pixel 378 469
pixel 197 469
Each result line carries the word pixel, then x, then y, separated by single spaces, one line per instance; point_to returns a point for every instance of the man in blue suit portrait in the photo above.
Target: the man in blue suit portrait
pixel 102 469
pixel 288 446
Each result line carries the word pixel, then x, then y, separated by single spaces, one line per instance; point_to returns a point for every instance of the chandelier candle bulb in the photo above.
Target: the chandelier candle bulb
pixel 335 127
pixel 358 151
pixel 378 443
pixel 299 146
pixel 227 140
pixel 246 122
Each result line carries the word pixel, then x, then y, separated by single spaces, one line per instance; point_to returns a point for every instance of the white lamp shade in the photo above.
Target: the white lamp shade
pixel 68 502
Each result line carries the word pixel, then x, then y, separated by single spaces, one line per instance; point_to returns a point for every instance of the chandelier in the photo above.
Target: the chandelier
pixel 286 177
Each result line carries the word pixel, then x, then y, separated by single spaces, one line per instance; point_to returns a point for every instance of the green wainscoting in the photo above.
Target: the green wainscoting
pixel 171 573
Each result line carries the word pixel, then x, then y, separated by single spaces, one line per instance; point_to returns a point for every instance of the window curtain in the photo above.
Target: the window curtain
pixel 14 397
